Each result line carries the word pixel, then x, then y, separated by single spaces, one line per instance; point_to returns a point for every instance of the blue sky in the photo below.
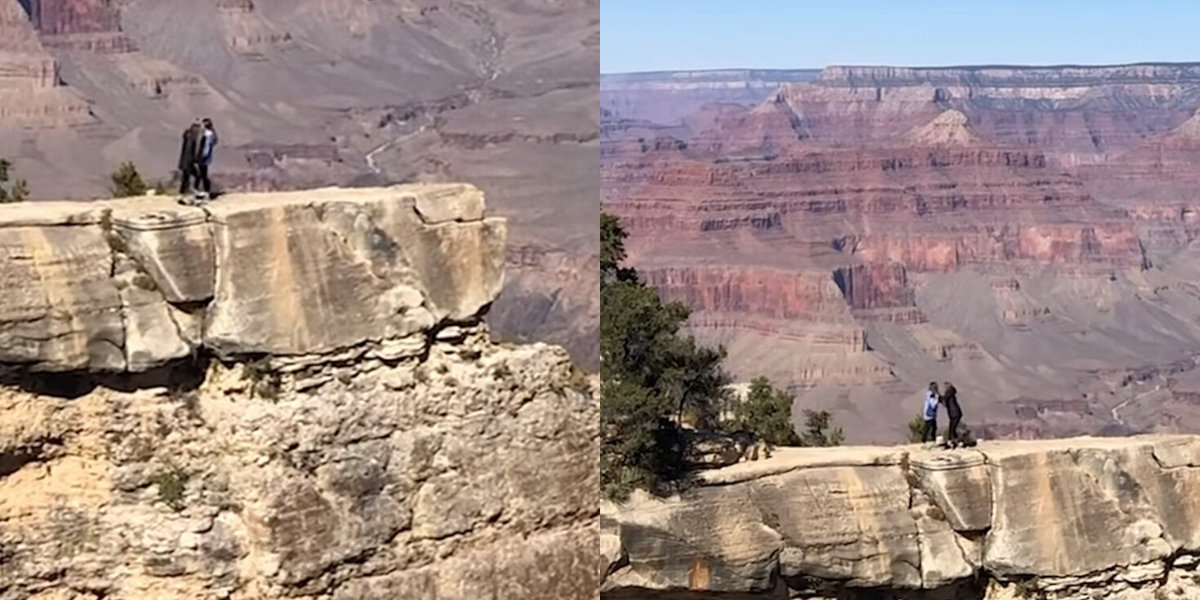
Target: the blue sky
pixel 652 35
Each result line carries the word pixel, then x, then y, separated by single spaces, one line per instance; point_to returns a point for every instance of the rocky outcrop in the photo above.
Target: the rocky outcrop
pixel 949 128
pixel 132 284
pixel 282 396
pixel 1070 519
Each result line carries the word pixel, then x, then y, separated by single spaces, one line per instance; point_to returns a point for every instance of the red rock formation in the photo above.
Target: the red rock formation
pixel 55 17
pixel 1158 183
pixel 31 90
pixel 764 292
pixel 875 286
pixel 932 208
pixel 1027 232
pixel 730 131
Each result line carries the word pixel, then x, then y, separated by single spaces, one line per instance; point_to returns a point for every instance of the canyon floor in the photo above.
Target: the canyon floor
pixel 1026 233
pixel 315 93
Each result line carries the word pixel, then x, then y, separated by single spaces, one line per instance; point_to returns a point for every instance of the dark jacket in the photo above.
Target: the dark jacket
pixel 950 400
pixel 189 153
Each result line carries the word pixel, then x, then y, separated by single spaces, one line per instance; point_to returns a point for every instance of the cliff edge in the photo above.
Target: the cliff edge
pixel 285 395
pixel 1074 519
pixel 127 285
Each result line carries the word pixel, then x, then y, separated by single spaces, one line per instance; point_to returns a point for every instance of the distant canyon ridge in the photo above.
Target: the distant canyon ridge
pixel 856 232
pixel 314 93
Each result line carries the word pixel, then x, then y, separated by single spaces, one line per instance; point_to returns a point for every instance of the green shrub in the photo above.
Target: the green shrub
pixel 264 382
pixel 819 430
pixel 767 412
pixel 126 181
pixel 12 189
pixel 171 484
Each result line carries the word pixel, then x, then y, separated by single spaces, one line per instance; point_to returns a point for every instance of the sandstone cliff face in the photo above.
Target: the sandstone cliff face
pixel 282 396
pixel 1067 519
pixel 132 284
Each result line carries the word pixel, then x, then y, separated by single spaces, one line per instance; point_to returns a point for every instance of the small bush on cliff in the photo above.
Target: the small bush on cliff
pixel 820 431
pixel 12 189
pixel 767 412
pixel 265 383
pixel 916 427
pixel 126 181
pixel 171 484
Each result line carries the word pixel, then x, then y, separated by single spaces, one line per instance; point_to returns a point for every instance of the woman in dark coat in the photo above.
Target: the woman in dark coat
pixel 954 411
pixel 189 154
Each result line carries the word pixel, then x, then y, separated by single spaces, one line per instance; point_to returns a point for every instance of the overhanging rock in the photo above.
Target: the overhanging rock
pixel 130 284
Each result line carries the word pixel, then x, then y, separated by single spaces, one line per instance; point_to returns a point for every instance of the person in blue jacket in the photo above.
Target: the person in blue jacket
pixel 929 432
pixel 208 144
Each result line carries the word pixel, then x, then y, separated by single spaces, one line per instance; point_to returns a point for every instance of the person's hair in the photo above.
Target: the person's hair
pixel 932 384
pixel 207 122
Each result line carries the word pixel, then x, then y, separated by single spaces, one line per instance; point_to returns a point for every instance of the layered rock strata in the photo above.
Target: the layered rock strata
pixel 31 88
pixel 1070 519
pixel 127 285
pixel 341 426
pixel 858 236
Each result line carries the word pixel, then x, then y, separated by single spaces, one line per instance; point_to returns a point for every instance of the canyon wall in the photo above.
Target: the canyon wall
pixel 669 96
pixel 316 93
pixel 1018 231
pixel 31 87
pixel 286 395
pixel 1069 519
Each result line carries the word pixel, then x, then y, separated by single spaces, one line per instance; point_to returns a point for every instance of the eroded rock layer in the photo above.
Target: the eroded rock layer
pixel 455 475
pixel 1070 519
pixel 287 395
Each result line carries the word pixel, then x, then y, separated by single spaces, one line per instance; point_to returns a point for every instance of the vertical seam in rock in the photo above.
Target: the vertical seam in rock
pixel 910 480
pixel 108 233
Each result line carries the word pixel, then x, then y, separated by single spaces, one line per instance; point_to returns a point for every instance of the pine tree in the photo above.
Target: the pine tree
pixel 767 412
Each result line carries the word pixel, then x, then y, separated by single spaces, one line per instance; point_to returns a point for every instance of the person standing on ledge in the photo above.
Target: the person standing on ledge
pixel 954 411
pixel 188 154
pixel 929 433
pixel 208 143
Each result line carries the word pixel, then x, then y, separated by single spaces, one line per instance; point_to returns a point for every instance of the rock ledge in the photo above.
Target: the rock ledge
pixel 1063 519
pixel 131 284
